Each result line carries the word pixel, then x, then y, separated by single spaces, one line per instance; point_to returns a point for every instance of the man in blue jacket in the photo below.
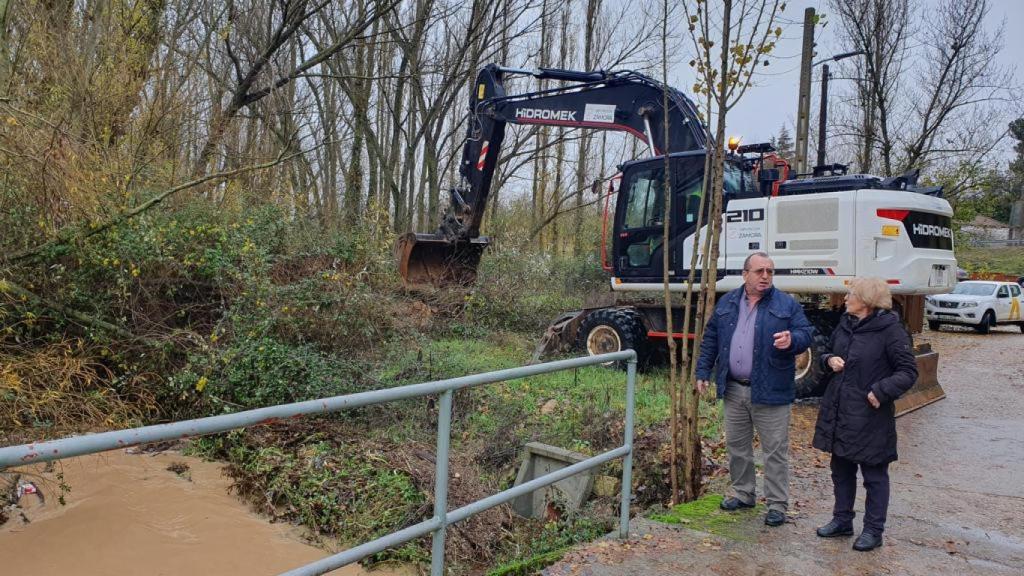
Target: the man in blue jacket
pixel 750 345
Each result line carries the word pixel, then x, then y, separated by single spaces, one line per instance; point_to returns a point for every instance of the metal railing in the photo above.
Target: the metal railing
pixel 80 445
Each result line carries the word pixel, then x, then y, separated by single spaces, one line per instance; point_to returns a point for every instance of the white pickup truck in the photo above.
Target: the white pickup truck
pixel 981 304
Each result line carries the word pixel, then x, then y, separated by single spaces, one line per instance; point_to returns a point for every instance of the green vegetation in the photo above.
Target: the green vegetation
pixel 236 309
pixel 705 515
pixel 1003 260
pixel 548 547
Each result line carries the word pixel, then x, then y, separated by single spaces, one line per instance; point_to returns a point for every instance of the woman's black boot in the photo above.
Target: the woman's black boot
pixel 867 541
pixel 835 528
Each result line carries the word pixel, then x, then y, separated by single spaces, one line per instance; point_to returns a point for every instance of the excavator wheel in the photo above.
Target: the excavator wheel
pixel 611 330
pixel 811 377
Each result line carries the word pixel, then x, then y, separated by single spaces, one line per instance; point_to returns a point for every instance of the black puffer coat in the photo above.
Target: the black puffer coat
pixel 878 359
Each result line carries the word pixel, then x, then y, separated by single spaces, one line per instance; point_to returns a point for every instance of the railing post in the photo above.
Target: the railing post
pixel 444 433
pixel 627 461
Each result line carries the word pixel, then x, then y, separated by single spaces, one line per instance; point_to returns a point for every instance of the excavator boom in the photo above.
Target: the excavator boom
pixel 625 101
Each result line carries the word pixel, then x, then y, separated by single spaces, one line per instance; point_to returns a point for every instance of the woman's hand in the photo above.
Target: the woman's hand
pixel 836 364
pixel 873 401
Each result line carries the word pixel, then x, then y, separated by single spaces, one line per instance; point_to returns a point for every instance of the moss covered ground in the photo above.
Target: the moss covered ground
pixel 705 515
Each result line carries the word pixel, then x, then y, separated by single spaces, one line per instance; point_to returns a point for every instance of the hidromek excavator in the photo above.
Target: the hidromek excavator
pixel 821 230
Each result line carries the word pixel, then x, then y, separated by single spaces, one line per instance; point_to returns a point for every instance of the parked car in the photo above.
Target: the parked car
pixel 981 304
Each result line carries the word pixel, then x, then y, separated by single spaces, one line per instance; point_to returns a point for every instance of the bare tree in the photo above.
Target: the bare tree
pixel 881 28
pixel 592 14
pixel 940 113
pixel 745 33
pixel 252 51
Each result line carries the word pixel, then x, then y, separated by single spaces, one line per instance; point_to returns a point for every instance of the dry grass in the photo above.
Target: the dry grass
pixel 62 388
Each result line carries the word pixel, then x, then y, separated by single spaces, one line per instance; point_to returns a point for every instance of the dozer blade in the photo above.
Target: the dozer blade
pixel 560 335
pixel 433 260
pixel 927 389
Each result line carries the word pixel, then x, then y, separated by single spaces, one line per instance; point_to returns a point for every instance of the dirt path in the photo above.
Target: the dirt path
pixel 957 491
pixel 129 514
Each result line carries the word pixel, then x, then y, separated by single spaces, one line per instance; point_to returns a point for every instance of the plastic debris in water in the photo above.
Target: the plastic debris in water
pixel 28 488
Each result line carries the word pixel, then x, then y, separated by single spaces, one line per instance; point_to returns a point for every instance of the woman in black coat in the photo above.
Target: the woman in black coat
pixel 872 365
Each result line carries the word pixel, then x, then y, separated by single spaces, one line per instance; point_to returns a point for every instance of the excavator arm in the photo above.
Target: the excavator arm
pixel 624 101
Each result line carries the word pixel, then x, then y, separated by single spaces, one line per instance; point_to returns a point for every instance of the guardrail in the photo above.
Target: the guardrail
pixel 80 445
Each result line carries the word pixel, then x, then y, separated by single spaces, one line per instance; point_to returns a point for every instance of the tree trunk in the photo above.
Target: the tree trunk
pixel 540 188
pixel 666 264
pixel 692 472
pixel 354 174
pixel 583 153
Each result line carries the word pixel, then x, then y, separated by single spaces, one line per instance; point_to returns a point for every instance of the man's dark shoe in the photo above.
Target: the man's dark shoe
pixel 867 541
pixel 733 504
pixel 835 528
pixel 775 518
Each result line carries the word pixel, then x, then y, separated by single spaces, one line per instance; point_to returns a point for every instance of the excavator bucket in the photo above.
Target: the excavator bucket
pixel 433 260
pixel 927 389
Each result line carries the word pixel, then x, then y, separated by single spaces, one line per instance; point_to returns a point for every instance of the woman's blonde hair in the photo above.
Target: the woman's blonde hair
pixel 873 292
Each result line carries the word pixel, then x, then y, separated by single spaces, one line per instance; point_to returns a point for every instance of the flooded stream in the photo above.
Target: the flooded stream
pixel 129 514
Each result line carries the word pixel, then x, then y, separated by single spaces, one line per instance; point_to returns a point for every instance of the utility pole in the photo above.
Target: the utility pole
pixel 803 111
pixel 822 115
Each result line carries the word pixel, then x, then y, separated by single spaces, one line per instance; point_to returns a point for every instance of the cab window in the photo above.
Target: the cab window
pixel 1003 292
pixel 739 182
pixel 1015 291
pixel 689 174
pixel 645 205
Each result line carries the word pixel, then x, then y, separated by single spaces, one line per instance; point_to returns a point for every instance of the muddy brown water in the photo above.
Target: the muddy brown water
pixel 128 514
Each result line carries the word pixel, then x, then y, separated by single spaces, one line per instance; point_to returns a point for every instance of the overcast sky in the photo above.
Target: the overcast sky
pixel 774 100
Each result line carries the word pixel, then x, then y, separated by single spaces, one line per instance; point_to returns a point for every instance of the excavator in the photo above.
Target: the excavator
pixel 821 229
pixel 625 101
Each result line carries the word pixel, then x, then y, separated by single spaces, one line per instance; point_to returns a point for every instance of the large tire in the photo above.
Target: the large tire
pixel 987 321
pixel 811 377
pixel 611 330
pixel 934 325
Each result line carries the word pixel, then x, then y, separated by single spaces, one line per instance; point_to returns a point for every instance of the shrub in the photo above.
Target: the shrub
pixel 515 290
pixel 252 372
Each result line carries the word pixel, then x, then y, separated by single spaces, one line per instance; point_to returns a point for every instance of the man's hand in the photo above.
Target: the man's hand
pixel 702 386
pixel 873 401
pixel 782 339
pixel 836 364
